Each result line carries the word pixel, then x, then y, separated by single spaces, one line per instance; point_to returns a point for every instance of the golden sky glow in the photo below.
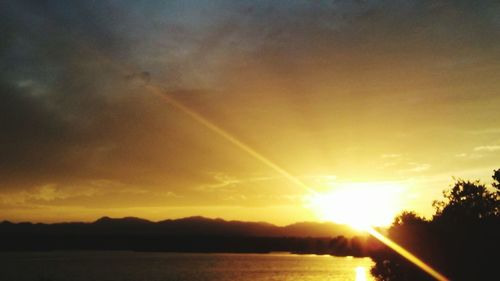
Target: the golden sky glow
pixel 259 111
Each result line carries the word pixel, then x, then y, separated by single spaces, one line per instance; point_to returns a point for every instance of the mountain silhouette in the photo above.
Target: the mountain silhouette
pixel 196 225
pixel 191 234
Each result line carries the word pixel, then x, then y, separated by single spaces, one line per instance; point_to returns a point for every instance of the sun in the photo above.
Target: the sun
pixel 360 205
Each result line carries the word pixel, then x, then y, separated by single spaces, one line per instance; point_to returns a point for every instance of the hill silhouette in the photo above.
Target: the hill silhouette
pixel 196 225
pixel 191 234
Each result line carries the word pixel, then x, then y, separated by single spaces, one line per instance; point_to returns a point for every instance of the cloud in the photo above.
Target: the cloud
pixel 486 131
pixel 418 167
pixel 391 155
pixel 226 182
pixel 488 148
pixel 46 194
pixel 222 180
pixel 72 107
pixel 287 78
pixel 139 77
pixel 469 155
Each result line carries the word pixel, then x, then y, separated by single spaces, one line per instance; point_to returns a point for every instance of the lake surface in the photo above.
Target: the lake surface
pixel 137 266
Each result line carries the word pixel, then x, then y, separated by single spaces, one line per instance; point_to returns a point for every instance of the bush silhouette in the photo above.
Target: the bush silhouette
pixel 461 240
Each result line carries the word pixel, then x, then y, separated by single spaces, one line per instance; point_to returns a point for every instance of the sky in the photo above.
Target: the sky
pixel 393 97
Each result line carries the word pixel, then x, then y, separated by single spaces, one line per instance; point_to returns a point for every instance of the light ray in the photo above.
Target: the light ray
pixel 126 69
pixel 214 128
pixel 406 254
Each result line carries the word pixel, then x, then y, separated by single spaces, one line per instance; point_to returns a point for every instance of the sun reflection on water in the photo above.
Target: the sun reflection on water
pixel 360 273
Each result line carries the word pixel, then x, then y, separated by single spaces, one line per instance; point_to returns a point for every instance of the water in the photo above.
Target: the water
pixel 135 266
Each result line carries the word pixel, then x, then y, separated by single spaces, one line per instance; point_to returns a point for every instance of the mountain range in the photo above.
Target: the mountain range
pixel 190 226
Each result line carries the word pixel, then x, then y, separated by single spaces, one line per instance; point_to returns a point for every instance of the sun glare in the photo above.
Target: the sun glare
pixel 360 273
pixel 360 205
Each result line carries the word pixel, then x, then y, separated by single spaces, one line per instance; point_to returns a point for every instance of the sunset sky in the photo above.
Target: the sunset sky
pixel 376 97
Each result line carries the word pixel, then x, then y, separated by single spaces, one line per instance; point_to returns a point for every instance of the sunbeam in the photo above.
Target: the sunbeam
pixel 406 254
pixel 214 128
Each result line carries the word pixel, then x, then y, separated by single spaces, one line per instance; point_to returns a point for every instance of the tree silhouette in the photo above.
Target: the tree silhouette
pixel 408 218
pixel 468 200
pixel 496 180
pixel 460 241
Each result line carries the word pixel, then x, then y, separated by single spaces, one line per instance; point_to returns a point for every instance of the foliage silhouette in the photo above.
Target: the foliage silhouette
pixel 460 241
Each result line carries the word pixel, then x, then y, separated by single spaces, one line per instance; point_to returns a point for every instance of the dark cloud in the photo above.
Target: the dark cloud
pixel 73 108
pixel 142 77
pixel 68 113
